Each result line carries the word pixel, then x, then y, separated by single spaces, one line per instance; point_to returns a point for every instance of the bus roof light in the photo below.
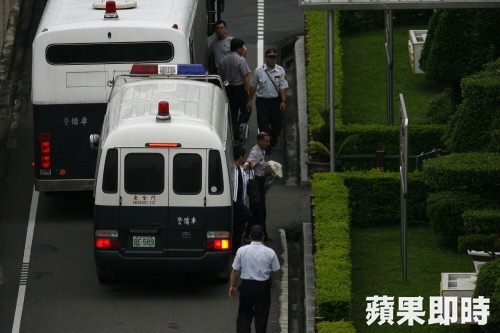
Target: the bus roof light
pixel 175 26
pixel 163 111
pixel 110 10
pixel 181 69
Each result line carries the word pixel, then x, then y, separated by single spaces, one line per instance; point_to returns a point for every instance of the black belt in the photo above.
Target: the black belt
pixel 255 281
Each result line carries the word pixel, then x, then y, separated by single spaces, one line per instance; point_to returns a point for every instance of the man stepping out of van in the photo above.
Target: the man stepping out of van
pixel 241 214
pixel 254 264
pixel 234 69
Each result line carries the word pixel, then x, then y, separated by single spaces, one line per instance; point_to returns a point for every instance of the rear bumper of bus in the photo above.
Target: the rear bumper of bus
pixel 64 185
pixel 112 262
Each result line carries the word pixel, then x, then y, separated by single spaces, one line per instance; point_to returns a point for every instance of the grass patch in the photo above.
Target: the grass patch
pixel 377 270
pixel 364 92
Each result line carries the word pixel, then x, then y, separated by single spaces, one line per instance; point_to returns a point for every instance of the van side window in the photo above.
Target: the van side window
pixel 144 173
pixel 215 178
pixel 186 171
pixel 110 174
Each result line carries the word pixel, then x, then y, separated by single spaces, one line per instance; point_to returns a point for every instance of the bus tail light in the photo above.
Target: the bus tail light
pixel 45 149
pixel 218 241
pixel 106 239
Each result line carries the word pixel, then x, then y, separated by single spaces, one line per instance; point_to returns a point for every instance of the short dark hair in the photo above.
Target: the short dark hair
pixel 236 43
pixel 238 151
pixel 262 135
pixel 220 22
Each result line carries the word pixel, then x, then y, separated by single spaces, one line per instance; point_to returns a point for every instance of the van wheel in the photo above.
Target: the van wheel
pixel 104 278
pixel 223 277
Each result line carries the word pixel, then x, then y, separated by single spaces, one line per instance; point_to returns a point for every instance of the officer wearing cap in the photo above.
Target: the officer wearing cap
pixel 269 84
pixel 253 264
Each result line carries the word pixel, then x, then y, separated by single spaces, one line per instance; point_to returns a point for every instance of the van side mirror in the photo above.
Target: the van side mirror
pixel 94 141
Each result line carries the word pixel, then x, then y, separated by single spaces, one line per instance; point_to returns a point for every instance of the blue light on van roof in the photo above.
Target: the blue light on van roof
pixel 191 69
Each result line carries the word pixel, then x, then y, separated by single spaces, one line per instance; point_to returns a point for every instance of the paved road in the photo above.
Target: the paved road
pixel 61 290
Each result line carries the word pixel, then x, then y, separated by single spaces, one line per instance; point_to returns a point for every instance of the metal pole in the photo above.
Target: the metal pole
pixel 330 93
pixel 389 56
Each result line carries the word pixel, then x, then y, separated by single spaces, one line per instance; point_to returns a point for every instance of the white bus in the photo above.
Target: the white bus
pixel 78 50
pixel 163 199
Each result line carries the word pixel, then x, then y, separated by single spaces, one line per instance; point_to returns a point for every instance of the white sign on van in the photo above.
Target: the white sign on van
pixel 144 200
pixel 186 220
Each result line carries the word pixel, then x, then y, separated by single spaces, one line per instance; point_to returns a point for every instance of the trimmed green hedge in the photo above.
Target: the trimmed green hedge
pixel 485 221
pixel 445 210
pixel 336 327
pixel 476 124
pixel 315 71
pixel 332 258
pixel 472 172
pixel 374 198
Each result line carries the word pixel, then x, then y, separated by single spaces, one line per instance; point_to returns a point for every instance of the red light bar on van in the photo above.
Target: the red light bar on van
pixel 162 145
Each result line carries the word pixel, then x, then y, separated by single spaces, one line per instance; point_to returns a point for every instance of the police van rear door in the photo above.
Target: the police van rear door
pixel 187 200
pixel 163 201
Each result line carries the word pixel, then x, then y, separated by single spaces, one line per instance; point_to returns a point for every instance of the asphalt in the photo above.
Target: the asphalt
pixel 288 201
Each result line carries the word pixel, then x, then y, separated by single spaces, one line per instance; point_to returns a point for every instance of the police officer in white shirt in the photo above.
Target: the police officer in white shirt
pixel 254 264
pixel 269 84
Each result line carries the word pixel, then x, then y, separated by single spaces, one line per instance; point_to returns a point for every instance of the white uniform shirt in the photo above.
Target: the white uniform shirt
pixel 256 262
pixel 266 85
pixel 257 157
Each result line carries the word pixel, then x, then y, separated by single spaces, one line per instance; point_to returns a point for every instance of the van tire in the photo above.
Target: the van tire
pixel 223 277
pixel 104 278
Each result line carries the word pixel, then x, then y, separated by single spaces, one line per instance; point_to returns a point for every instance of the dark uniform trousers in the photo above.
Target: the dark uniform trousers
pixel 269 117
pixel 255 301
pixel 258 208
pixel 238 97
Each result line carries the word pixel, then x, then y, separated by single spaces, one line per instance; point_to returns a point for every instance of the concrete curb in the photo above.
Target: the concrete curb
pixel 302 107
pixel 283 320
pixel 310 299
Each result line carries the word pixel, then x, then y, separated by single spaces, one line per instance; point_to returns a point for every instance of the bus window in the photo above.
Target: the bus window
pixel 109 53
pixel 186 171
pixel 110 174
pixel 144 173
pixel 215 178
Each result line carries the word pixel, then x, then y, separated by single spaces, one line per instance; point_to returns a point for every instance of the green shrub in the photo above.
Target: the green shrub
pixel 440 108
pixel 333 245
pixel 374 198
pixel 471 172
pixel 315 72
pixel 481 221
pixel 335 327
pixel 473 127
pixel 445 209
pixel 488 285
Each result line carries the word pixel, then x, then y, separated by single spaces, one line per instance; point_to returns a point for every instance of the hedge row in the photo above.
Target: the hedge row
pixel 315 72
pixel 332 239
pixel 471 172
pixel 374 198
pixel 336 327
pixel 485 221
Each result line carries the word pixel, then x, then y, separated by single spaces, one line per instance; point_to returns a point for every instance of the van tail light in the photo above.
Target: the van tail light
pixel 218 241
pixel 106 239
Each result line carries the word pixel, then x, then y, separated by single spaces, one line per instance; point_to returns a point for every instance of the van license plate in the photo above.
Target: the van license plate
pixel 143 241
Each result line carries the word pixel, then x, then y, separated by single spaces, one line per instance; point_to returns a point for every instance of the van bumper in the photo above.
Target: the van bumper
pixel 112 262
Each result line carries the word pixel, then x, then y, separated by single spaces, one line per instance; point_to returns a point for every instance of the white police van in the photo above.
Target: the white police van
pixel 163 188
